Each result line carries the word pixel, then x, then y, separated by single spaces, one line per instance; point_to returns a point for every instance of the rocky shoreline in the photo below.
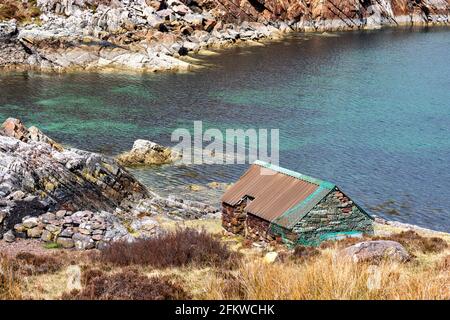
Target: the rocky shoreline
pixel 76 198
pixel 144 35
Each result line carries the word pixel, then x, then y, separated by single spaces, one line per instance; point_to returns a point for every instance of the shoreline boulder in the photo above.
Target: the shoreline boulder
pixel 376 251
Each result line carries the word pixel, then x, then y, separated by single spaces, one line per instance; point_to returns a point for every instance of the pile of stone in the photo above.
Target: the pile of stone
pixel 81 229
pixel 173 206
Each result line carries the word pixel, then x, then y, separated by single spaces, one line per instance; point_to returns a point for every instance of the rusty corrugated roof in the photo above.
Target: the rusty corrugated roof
pixel 279 195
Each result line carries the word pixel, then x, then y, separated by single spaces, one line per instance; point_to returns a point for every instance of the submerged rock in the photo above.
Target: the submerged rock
pixel 145 152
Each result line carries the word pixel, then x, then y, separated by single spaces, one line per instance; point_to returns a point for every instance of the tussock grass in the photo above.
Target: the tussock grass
pixel 9 280
pixel 32 264
pixel 22 11
pixel 329 277
pixel 173 249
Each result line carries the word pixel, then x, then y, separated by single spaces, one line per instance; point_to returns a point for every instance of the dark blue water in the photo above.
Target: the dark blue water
pixel 369 111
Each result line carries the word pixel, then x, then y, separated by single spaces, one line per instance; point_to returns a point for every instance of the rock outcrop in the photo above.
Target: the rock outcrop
pixel 152 35
pixel 12 52
pixel 145 152
pixel 121 34
pixel 38 175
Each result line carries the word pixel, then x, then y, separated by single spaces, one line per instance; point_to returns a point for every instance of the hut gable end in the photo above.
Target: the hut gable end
pixel 335 215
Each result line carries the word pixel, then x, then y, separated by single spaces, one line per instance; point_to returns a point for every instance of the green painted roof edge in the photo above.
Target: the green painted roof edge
pixel 297 175
pixel 291 216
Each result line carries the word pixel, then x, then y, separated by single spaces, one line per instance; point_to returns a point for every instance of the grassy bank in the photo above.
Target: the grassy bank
pixel 192 264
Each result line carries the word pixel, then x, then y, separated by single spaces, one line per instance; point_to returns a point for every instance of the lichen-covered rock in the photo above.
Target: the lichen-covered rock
pixel 270 257
pixel 375 251
pixel 47 236
pixel 145 152
pixel 35 232
pixel 9 236
pixel 83 242
pixel 30 222
pixel 66 243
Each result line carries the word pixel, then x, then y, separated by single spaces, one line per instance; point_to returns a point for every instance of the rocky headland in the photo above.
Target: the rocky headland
pixel 152 35
pixel 76 198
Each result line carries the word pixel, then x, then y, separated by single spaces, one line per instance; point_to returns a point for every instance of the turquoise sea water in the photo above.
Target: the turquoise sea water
pixel 369 111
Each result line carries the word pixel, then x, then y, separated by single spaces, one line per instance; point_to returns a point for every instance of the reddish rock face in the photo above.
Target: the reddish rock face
pixel 15 128
pixel 263 10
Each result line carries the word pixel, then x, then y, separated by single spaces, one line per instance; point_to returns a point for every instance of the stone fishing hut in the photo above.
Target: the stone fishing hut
pixel 272 203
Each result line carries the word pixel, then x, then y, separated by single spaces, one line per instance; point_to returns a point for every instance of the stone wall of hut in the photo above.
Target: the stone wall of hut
pixel 237 221
pixel 335 214
pixel 233 218
pixel 258 229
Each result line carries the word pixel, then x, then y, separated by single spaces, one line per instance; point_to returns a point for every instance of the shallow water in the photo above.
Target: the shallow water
pixel 369 111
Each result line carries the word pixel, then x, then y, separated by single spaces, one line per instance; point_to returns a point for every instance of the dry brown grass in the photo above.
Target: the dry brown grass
pixel 414 242
pixel 32 264
pixel 308 273
pixel 9 280
pixel 21 11
pixel 128 284
pixel 322 274
pixel 328 277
